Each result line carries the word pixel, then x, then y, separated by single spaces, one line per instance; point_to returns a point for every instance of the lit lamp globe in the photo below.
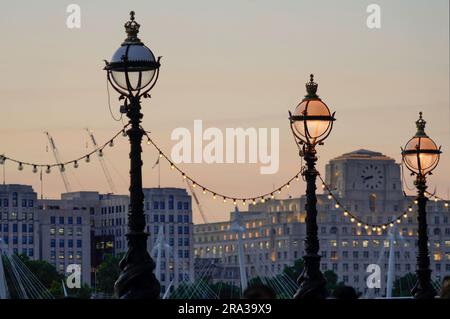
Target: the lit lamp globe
pixel 133 66
pixel 312 120
pixel 421 154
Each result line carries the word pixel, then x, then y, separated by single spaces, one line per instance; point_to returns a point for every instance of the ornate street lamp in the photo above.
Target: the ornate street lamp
pixel 421 156
pixel 133 72
pixel 311 124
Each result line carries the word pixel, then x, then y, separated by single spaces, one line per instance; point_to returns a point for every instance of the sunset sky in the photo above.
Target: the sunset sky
pixel 231 64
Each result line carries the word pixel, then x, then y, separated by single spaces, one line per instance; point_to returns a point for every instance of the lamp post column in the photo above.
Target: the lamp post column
pixel 312 282
pixel 137 280
pixel 423 288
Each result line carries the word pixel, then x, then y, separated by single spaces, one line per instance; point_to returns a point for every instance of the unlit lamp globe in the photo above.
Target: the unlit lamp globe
pixel 138 62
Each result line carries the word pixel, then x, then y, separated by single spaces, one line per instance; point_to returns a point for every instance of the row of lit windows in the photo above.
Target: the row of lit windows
pixel 17 216
pixel 70 255
pixel 68 231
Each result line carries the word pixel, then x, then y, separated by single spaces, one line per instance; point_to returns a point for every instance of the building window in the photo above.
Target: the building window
pixel 61 220
pixel 79 243
pixel 171 202
pixel 372 202
pixel 155 205
pixel 79 220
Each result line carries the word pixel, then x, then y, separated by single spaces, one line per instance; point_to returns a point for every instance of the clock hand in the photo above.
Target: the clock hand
pixel 368 177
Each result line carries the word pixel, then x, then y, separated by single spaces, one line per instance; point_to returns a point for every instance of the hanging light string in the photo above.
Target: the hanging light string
pixel 358 221
pixel 218 195
pixel 63 165
pixel 438 198
pixel 270 195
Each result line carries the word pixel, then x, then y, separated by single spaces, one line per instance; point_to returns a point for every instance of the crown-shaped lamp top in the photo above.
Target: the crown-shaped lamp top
pixel 311 88
pixel 420 123
pixel 132 29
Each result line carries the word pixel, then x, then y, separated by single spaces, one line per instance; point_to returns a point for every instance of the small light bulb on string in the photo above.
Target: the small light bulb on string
pixel 254 202
pixel 61 168
pixel 234 202
pixel 204 191
pixel 416 202
pixel 184 176
pixel 378 229
pixel 384 226
pixel 100 153
pixel 446 204
pixel 391 225
pixel 323 186
pixel 288 185
pixel 35 169
pixel 336 205
pixel 296 178
pixel 224 199
pixel 374 228
pixel 410 209
pixel 75 164
pixel 111 143
pixel 263 200
pixel 214 196
pixel 20 167
pixel 194 185
pixel 48 170
pixel 160 155
pixel 148 142
pixel 366 226
pixel 359 224
pixel 87 159
pixel 345 213
pixel 124 133
pixel 279 191
pixel 435 199
pixel 172 166
pixel 243 202
pixel 272 196
pixel 352 220
pixel 329 196
pixel 399 221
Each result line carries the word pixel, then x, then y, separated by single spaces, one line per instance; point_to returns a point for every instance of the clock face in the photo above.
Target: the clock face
pixel 372 177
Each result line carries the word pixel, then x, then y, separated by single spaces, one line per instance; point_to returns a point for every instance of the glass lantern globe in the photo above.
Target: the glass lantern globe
pixel 312 120
pixel 133 66
pixel 421 154
pixel 135 62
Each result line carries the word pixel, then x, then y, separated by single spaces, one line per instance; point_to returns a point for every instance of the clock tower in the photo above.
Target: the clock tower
pixel 363 173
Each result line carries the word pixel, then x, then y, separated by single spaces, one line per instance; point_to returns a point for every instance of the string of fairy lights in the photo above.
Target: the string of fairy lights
pixel 62 166
pixel 262 198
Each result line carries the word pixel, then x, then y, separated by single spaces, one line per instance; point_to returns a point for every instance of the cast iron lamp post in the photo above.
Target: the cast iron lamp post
pixel 311 124
pixel 421 156
pixel 133 72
